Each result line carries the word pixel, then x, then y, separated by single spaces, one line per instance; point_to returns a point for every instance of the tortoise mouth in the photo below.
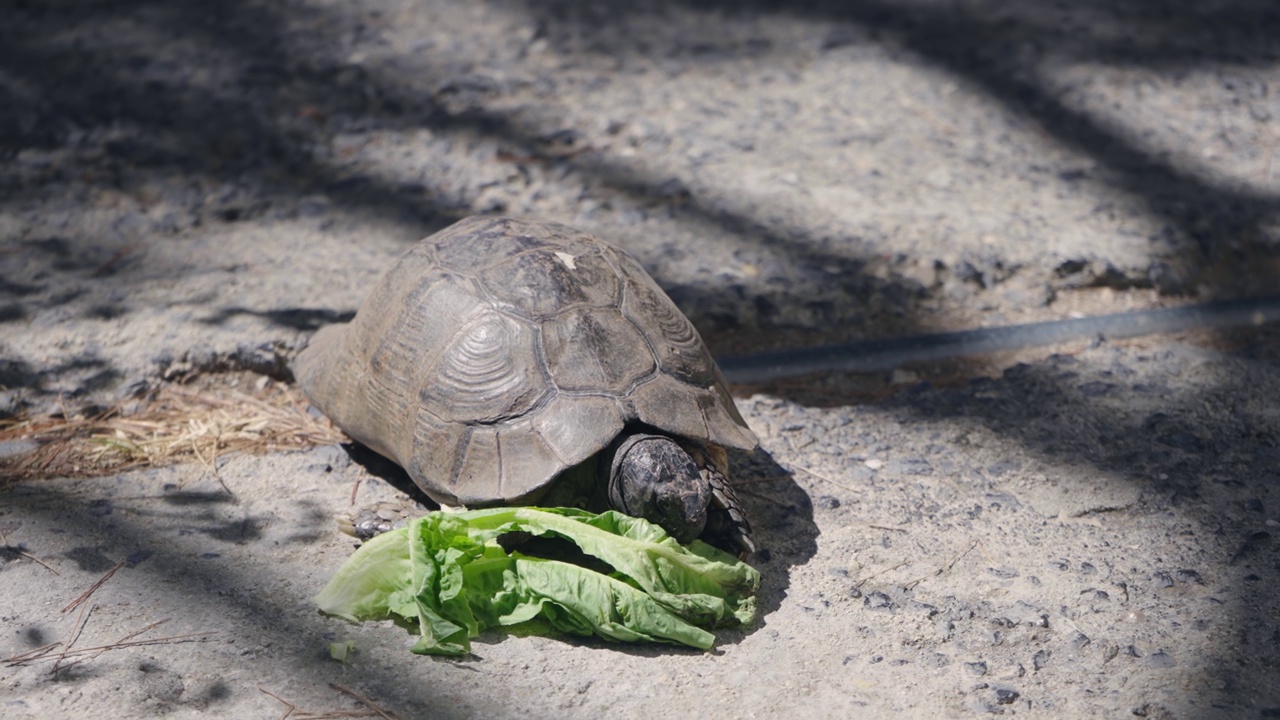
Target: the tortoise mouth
pixel 552 547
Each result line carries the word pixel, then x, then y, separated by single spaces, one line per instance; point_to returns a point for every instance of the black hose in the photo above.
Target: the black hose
pixel 889 353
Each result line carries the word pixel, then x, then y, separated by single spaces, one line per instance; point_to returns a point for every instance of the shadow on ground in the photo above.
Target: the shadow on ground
pixel 240 128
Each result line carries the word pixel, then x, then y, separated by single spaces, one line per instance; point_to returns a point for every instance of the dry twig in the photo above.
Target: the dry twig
pixel 45 652
pixel 949 564
pixel 824 478
pixel 36 560
pixel 388 715
pixel 292 711
pixel 85 595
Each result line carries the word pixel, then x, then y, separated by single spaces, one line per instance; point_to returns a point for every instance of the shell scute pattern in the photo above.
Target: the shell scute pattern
pixel 542 283
pixel 499 353
pixel 679 350
pixel 487 373
pixel 595 350
pixel 475 244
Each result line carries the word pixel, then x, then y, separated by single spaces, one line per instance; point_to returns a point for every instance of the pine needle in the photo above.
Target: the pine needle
pixel 177 424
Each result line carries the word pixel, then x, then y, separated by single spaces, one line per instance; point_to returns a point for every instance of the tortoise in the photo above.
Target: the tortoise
pixel 515 362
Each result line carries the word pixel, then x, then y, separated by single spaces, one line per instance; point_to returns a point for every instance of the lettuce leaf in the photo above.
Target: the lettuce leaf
pixel 449 576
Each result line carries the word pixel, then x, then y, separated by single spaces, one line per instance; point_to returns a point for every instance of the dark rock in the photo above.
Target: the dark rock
pixel 877 600
pixel 1079 640
pixel 1189 576
pixel 1039 660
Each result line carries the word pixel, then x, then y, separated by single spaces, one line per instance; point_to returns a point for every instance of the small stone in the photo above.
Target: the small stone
pixel 1079 640
pixel 877 600
pixel 1006 696
pixel 1160 659
pixel 827 502
pixel 977 668
pixel 1039 660
pixel 926 608
pixel 1163 579
pixel 873 463
pixel 1189 576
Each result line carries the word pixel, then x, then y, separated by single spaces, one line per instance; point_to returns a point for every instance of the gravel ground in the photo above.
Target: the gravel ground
pixel 1085 530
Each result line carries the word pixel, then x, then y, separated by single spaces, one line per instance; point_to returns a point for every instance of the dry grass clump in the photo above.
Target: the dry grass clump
pixel 175 424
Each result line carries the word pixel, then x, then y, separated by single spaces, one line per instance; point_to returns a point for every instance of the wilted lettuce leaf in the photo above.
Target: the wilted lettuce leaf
pixel 447 574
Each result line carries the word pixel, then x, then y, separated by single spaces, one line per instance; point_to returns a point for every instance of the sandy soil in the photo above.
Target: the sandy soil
pixel 189 189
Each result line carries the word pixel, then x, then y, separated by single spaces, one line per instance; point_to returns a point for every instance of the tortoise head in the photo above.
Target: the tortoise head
pixel 652 477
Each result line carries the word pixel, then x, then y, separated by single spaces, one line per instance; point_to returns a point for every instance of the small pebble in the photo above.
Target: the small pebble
pixel 1189 576
pixel 1079 640
pixel 877 600
pixel 1039 660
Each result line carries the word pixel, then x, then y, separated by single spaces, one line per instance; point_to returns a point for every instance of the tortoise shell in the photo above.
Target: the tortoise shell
pixel 498 353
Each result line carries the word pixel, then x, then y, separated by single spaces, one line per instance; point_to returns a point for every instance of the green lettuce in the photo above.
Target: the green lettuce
pixel 449 576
